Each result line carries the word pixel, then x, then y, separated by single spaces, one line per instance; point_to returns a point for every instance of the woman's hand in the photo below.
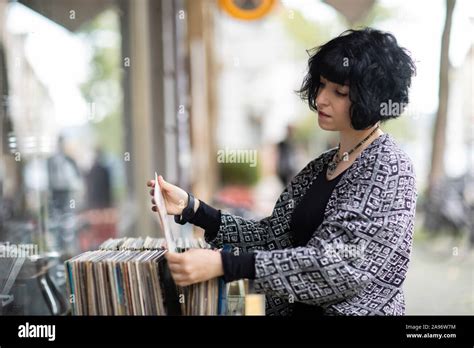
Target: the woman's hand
pixel 194 266
pixel 175 197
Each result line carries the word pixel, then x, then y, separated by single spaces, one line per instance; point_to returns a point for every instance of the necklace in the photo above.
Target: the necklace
pixel 345 156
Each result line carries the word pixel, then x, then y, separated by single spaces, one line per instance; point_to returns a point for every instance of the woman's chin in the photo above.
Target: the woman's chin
pixel 325 126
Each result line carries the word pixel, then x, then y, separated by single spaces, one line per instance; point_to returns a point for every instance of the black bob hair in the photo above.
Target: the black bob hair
pixel 377 70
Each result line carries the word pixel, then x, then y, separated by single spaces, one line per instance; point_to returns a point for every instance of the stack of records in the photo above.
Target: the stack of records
pixel 122 278
pixel 130 276
pixel 201 298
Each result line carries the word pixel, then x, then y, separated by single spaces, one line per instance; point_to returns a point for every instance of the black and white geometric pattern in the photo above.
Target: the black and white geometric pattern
pixel 357 259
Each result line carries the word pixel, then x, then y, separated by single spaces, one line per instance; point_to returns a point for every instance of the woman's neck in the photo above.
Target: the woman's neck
pixel 351 137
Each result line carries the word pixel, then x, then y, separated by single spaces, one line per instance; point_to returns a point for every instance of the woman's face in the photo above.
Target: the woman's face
pixel 333 106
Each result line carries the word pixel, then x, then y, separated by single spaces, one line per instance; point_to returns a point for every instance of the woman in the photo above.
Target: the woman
pixel 339 238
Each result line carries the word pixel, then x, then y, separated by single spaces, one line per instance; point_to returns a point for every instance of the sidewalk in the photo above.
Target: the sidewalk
pixel 438 282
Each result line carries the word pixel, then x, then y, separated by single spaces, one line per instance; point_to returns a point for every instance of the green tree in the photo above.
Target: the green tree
pixel 103 88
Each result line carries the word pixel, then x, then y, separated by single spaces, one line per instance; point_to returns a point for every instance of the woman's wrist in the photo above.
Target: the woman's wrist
pixel 183 206
pixel 196 205
pixel 219 267
pixel 187 212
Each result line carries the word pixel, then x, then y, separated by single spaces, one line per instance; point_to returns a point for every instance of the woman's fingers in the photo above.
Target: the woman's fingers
pixel 180 280
pixel 178 265
pixel 173 257
pixel 179 276
pixel 175 267
pixel 176 261
pixel 163 184
pixel 150 183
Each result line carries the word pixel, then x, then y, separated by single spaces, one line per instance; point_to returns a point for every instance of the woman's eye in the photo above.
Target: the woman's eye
pixel 341 94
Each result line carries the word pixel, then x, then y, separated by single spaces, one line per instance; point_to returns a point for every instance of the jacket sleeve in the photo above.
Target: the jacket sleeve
pixel 270 233
pixel 344 254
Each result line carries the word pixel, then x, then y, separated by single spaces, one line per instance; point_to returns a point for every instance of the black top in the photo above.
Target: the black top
pixel 309 213
pixel 307 216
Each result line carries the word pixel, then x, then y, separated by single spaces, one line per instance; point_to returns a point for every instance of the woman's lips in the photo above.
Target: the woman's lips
pixel 322 114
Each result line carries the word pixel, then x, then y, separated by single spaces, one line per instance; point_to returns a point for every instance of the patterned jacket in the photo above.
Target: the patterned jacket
pixel 357 259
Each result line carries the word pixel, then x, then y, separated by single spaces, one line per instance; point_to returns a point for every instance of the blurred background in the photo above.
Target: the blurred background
pixel 98 95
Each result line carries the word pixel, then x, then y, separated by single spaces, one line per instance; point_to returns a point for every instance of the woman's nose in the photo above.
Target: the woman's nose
pixel 321 98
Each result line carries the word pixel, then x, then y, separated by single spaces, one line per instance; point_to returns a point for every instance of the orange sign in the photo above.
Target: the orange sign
pixel 247 9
